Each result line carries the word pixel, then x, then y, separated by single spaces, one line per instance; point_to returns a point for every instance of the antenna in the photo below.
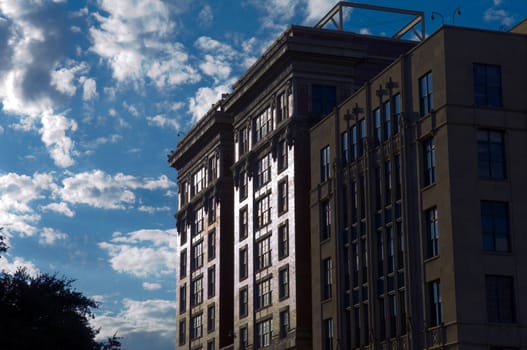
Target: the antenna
pixel 434 14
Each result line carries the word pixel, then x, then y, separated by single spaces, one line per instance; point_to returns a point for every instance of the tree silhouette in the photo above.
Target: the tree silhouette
pixel 3 246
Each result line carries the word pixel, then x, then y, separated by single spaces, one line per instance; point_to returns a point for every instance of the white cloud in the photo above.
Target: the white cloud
pixel 17 262
pixel 60 146
pixel 49 236
pixel 151 316
pixel 142 253
pixel 61 208
pixel 315 9
pixel 498 15
pixel 151 286
pixel 205 16
pixel 497 2
pixel 215 67
pixel 89 91
pixel 63 79
pixel 365 31
pixel 163 122
pixel 151 210
pixel 277 13
pixel 205 97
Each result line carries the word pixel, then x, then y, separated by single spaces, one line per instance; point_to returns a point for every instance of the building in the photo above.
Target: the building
pixel 417 201
pixel 204 223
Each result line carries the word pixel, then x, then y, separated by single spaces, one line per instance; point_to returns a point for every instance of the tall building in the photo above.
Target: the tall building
pixel 203 160
pixel 304 74
pixel 418 201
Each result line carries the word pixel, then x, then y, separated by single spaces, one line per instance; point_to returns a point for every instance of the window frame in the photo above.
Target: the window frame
pixel 426 97
pixel 486 92
pixel 491 153
pixel 325 163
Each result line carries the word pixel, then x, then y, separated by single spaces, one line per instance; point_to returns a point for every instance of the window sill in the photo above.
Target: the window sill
pixel 427 187
pixel 432 258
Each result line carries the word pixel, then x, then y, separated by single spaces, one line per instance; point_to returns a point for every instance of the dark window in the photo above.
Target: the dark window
pixel 284 323
pixel 282 196
pixel 436 313
pixel 263 253
pixel 244 338
pixel 263 334
pixel 211 245
pixel 183 299
pixel 354 154
pixel 429 162
pixel 426 100
pixel 362 136
pixel 396 113
pixel 196 291
pixel 263 170
pixel 196 330
pixel 211 344
pixel 199 220
pixel 283 279
pixel 495 226
pixel 182 331
pixel 324 163
pixel 491 154
pixel 283 241
pixel 432 232
pixel 243 141
pixel 282 108
pixel 199 181
pixel 244 302
pixel 263 293
pixel 282 155
pixel 183 264
pixel 243 185
pixel 500 299
pixel 211 281
pixel 244 255
pixel 324 99
pixel 377 136
pixel 197 256
pixel 213 168
pixel 387 182
pixel 183 232
pixel 328 334
pixel 212 209
pixel 263 212
pixel 327 280
pixel 344 147
pixel 263 124
pixel 244 229
pixel 387 113
pixel 487 85
pixel 325 220
pixel 211 318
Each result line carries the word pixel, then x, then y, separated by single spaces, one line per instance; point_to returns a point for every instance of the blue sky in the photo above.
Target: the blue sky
pixel 93 96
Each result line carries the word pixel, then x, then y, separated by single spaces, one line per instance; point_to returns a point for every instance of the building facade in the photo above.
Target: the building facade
pixel 417 201
pixel 203 159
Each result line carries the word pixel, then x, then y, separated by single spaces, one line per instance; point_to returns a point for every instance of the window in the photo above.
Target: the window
pixel 263 293
pixel 436 314
pixel 362 136
pixel 211 245
pixel 263 124
pixel 487 85
pixel 263 170
pixel 283 241
pixel 284 323
pixel 495 226
pixel 429 162
pixel 326 279
pixel 328 334
pixel 387 114
pixel 283 280
pixel 323 100
pixel 211 344
pixel 354 154
pixel 263 334
pixel 211 318
pixel 183 197
pixel 198 181
pixel 244 229
pixel 282 155
pixel 211 281
pixel 263 253
pixel 377 127
pixel 432 232
pixel 491 154
pixel 183 231
pixel 325 220
pixel 282 196
pixel 324 163
pixel 213 168
pixel 263 211
pixel 500 299
pixel 183 299
pixel 183 264
pixel 344 147
pixel 198 220
pixel 243 185
pixel 426 100
pixel 244 255
pixel 182 331
pixel 396 113
pixel 243 141
pixel 282 108
pixel 197 291
pixel 211 206
pixel 244 338
pixel 387 182
pixel 197 326
pixel 244 300
pixel 197 256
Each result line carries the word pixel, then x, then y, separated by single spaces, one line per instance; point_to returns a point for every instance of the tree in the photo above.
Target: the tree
pixel 3 246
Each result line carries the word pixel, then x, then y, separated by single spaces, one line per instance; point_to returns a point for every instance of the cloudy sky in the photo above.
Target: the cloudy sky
pixel 93 96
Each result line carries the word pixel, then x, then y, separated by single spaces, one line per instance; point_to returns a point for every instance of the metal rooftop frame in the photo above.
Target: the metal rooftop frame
pixel 419 17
